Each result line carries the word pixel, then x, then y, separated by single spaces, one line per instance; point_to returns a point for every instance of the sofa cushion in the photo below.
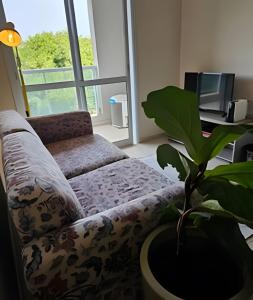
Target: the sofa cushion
pixel 40 198
pixel 82 154
pixel 115 184
pixel 61 126
pixel 11 121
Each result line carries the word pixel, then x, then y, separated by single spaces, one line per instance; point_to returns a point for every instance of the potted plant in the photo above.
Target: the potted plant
pixel 202 253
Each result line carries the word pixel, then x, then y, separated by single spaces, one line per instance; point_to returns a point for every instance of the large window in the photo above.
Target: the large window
pixel 70 49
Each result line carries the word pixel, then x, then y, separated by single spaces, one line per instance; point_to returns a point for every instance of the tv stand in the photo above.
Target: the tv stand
pixel 233 151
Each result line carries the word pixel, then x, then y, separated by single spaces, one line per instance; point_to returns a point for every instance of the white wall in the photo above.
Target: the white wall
pixel 10 89
pixel 217 36
pixel 157 35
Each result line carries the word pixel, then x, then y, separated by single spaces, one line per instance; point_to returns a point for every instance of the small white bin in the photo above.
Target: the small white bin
pixel 119 110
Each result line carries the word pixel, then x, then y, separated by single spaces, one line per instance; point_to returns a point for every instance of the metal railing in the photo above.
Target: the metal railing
pixel 42 76
pixel 47 101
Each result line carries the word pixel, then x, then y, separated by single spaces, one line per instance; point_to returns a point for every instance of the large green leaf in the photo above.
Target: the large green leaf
pixel 213 207
pixel 227 233
pixel 176 111
pixel 241 173
pixel 236 199
pixel 220 137
pixel 168 155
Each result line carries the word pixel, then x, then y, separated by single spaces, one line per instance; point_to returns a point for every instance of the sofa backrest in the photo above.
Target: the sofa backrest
pixel 62 126
pixel 40 198
pixel 11 121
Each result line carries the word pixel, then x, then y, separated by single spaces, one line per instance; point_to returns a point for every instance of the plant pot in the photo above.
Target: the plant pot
pixel 154 290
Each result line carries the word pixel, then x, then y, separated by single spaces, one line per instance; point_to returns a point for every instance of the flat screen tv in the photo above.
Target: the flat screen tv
pixel 214 90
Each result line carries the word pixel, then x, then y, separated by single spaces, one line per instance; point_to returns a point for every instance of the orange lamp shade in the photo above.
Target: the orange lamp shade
pixel 10 37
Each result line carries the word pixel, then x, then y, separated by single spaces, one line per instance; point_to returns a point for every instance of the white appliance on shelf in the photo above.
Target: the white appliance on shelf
pixel 119 110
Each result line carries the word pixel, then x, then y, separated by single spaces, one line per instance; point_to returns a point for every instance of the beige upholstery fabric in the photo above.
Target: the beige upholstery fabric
pixel 83 154
pixel 62 126
pixel 40 198
pixel 1 166
pixel 115 184
pixel 11 121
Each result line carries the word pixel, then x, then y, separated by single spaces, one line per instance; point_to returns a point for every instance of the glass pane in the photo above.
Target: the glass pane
pixel 100 26
pixel 113 102
pixel 93 98
pixel 40 76
pixel 45 51
pixel 52 101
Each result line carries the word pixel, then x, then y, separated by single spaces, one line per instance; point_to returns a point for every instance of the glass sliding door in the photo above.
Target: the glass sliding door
pixel 74 56
pixel 109 55
pixel 114 97
pixel 44 54
pixel 53 101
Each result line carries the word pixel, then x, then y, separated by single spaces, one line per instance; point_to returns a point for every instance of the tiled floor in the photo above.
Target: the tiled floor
pixel 146 151
pixel 148 147
pixel 111 133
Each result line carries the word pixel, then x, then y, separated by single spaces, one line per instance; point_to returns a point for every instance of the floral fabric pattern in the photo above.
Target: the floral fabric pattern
pixel 11 121
pixel 61 126
pixel 94 257
pixel 70 249
pixel 115 184
pixel 83 154
pixel 40 198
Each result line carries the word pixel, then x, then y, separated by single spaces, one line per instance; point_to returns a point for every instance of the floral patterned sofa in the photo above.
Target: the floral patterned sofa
pixel 79 207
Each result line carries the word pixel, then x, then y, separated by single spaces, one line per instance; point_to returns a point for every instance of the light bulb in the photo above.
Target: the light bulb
pixel 10 37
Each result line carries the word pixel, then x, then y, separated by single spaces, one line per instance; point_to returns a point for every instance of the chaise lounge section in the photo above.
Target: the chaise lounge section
pixel 79 207
pixel 69 138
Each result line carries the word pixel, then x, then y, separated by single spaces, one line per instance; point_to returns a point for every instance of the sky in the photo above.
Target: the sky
pixel 35 16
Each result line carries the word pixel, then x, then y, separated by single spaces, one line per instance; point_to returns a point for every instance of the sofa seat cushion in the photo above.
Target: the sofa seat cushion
pixel 115 184
pixel 40 198
pixel 82 154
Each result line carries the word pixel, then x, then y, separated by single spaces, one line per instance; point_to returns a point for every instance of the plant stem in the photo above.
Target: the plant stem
pixel 190 186
pixel 188 192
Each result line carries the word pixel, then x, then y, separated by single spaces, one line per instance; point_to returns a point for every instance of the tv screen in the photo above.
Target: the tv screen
pixel 214 90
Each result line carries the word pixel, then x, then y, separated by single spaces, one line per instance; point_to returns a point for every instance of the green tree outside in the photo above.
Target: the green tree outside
pixel 50 50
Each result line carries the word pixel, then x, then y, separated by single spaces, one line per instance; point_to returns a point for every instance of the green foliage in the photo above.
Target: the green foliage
pixel 210 206
pixel 241 173
pixel 169 214
pixel 52 50
pixel 233 198
pixel 221 136
pixel 225 193
pixel 225 231
pixel 175 111
pixel 167 155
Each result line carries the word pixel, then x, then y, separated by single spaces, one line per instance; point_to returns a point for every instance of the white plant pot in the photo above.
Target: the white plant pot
pixel 152 289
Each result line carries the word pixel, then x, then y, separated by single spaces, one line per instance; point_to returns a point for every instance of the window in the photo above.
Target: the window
pixel 70 50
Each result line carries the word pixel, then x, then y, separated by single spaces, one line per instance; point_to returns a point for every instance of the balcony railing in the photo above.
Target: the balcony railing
pixel 48 101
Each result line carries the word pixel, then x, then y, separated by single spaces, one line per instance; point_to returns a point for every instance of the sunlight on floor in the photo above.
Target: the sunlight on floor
pixel 111 133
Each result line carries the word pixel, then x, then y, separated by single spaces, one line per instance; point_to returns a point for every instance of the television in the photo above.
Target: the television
pixel 214 90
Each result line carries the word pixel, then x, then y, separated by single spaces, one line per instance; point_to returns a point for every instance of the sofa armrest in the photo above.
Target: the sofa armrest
pixel 63 126
pixel 99 248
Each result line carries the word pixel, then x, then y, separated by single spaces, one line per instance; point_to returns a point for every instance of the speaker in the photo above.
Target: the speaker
pixel 237 110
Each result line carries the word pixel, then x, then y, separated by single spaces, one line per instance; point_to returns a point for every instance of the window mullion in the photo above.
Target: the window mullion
pixel 75 53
